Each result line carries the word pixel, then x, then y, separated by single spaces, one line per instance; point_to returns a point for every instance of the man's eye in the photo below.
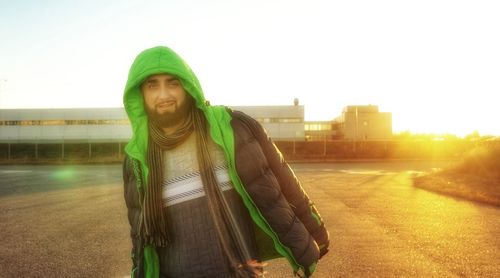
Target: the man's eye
pixel 174 83
pixel 152 85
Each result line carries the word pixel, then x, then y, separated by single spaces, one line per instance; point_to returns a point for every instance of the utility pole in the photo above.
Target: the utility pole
pixel 355 130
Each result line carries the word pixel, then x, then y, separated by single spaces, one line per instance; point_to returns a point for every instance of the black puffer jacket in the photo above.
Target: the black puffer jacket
pixel 274 190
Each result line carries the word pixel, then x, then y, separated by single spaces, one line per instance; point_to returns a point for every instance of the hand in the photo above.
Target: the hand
pixel 253 268
pixel 323 251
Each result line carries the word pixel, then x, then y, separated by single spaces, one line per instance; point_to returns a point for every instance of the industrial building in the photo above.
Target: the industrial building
pixel 283 123
pixel 364 122
pixel 112 125
pixel 356 123
pixel 64 125
pixel 322 131
pixel 84 133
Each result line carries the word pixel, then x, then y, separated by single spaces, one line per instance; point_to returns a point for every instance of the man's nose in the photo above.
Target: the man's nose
pixel 164 92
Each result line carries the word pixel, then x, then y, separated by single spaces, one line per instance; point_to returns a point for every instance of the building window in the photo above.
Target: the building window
pixel 65 122
pixel 317 126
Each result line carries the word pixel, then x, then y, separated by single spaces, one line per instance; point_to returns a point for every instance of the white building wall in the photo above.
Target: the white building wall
pixel 365 125
pixel 288 120
pixel 280 130
pixel 289 131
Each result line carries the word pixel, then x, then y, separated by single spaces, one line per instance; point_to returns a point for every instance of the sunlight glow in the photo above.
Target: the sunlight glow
pixel 433 64
pixel 64 174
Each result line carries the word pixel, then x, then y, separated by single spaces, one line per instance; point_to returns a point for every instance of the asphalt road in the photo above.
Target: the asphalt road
pixel 70 221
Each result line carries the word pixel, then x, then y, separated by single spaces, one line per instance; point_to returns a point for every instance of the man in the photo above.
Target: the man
pixel 208 193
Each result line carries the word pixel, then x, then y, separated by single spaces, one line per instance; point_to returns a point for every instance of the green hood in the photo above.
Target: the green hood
pixel 152 61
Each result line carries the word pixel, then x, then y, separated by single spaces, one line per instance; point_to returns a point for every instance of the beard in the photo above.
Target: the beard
pixel 168 119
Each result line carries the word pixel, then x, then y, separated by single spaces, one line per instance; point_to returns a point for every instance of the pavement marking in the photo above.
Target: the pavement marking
pixel 15 171
pixel 366 172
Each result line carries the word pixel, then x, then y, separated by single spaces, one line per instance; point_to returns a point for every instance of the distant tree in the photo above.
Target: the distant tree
pixel 473 136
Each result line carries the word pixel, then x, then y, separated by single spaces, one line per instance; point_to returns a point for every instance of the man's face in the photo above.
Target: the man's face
pixel 165 99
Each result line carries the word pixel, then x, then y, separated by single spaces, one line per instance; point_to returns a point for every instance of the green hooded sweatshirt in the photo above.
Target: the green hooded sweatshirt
pixel 162 60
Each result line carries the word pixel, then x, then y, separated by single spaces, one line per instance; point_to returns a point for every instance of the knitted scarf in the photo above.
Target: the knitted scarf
pixel 154 222
pixel 154 229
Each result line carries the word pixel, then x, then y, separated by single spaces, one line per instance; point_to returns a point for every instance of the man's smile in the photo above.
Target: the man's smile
pixel 166 104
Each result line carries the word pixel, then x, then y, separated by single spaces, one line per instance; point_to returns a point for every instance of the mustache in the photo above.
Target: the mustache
pixel 166 102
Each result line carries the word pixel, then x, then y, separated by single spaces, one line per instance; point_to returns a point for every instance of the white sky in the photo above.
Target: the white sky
pixel 434 64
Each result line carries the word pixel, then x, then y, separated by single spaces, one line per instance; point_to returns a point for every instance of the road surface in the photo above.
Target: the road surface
pixel 70 221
